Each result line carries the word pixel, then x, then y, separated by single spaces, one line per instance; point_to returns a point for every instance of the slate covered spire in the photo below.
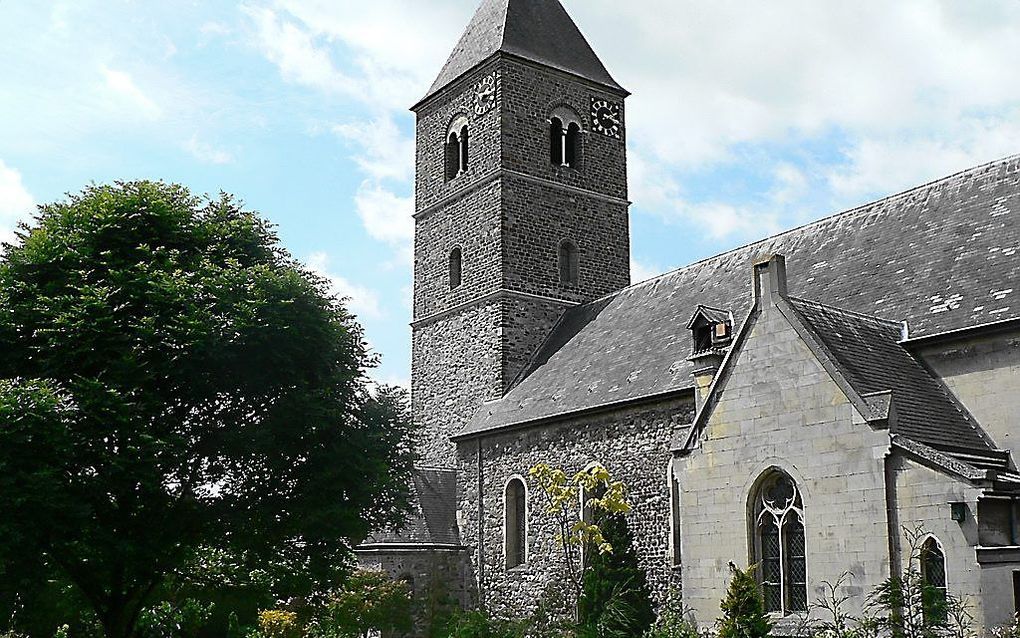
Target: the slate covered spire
pixel 537 30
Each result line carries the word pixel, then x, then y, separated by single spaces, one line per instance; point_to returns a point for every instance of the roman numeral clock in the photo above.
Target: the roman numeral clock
pixel 605 118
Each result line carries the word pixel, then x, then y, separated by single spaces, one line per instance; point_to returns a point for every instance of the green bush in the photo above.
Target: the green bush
pixel 615 601
pixel 743 607
pixel 370 601
pixel 478 624
pixel 674 620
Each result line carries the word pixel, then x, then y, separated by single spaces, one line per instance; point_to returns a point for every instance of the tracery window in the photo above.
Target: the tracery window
pixel 515 526
pixel 779 545
pixel 933 574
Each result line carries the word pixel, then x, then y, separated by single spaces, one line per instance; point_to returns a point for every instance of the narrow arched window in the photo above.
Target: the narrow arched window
pixel 556 141
pixel 515 527
pixel 779 545
pixel 452 156
pixel 568 262
pixel 456 268
pixel 674 518
pixel 570 140
pixel 933 575
pixel 464 148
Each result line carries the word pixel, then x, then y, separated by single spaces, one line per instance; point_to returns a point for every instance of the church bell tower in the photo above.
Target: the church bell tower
pixel 521 206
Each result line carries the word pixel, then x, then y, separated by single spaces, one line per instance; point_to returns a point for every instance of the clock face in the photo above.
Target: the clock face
pixel 605 117
pixel 485 94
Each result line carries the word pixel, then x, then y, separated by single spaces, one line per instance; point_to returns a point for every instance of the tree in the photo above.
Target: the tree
pixel 614 593
pixel 743 607
pixel 603 495
pixel 191 386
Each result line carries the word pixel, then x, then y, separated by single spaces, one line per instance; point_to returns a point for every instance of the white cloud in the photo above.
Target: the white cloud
pixel 383 151
pixel 123 86
pixel 360 300
pixel 207 153
pixel 16 203
pixel 640 271
pixel 387 217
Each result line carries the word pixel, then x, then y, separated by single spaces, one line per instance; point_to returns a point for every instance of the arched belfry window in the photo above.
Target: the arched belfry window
pixel 456 268
pixel 564 138
pixel 456 148
pixel 568 262
pixel 779 546
pixel 933 574
pixel 515 523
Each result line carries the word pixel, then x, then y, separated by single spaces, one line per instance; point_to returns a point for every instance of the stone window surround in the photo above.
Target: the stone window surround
pixel 525 550
pixel 755 513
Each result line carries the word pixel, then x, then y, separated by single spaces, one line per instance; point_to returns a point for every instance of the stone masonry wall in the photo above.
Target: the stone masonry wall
pixel 984 374
pixel 922 503
pixel 779 408
pixel 533 93
pixel 456 364
pixel 526 323
pixel 633 444
pixel 537 218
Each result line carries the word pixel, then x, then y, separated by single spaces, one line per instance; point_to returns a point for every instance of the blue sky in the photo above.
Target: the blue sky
pixel 747 117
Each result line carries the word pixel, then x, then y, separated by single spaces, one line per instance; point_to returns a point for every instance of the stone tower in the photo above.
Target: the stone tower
pixel 521 206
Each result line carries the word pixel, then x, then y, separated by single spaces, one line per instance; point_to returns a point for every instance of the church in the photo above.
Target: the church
pixel 800 403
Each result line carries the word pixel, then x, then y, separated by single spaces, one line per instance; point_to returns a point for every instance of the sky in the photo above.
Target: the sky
pixel 747 117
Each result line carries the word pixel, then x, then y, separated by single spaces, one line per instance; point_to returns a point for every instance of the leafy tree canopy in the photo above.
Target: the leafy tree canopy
pixel 173 379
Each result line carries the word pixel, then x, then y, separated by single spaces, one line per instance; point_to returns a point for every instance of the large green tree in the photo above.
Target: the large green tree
pixel 171 380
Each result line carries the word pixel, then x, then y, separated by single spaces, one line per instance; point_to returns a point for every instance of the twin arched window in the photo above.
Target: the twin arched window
pixel 515 523
pixel 568 262
pixel 563 142
pixel 456 268
pixel 456 149
pixel 779 548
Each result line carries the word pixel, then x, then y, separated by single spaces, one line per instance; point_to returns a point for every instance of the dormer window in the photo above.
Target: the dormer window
pixel 456 149
pixel 564 138
pixel 711 329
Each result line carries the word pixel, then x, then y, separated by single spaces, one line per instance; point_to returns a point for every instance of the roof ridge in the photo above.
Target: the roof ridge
pixel 847 213
pixel 844 311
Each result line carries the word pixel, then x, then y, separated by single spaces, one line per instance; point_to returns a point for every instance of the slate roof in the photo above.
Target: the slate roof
pixel 869 356
pixel 537 30
pixel 941 257
pixel 434 519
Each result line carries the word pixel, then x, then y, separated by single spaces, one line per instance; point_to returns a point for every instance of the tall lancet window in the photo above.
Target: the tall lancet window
pixel 515 523
pixel 568 262
pixel 779 546
pixel 456 268
pixel 933 574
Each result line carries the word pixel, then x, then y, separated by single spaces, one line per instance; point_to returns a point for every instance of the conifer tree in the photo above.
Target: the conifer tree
pixel 743 607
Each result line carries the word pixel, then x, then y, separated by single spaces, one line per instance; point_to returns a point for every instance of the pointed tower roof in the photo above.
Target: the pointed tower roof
pixel 537 30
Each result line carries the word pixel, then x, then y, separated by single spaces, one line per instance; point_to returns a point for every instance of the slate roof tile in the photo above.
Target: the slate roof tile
pixel 941 257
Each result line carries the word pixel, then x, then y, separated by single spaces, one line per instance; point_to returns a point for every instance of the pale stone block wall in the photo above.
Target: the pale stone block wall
pixel 780 408
pixel 984 374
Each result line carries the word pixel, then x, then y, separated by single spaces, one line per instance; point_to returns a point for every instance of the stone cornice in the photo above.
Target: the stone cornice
pixel 500 173
pixel 502 293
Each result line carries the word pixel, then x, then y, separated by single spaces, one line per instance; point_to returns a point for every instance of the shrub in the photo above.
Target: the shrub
pixel 370 601
pixel 743 607
pixel 478 624
pixel 674 620
pixel 615 599
pixel 277 623
pixel 167 620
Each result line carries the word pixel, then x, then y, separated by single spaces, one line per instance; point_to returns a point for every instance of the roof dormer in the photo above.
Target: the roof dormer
pixel 711 329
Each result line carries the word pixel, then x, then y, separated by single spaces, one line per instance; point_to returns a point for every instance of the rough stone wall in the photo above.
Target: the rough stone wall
pixel 443 576
pixel 537 218
pixel 984 374
pixel 922 503
pixel 779 408
pixel 456 364
pixel 632 443
pixel 526 323
pixel 433 124
pixel 533 93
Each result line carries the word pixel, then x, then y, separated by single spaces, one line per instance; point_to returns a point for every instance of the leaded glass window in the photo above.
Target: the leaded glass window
pixel 933 574
pixel 779 544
